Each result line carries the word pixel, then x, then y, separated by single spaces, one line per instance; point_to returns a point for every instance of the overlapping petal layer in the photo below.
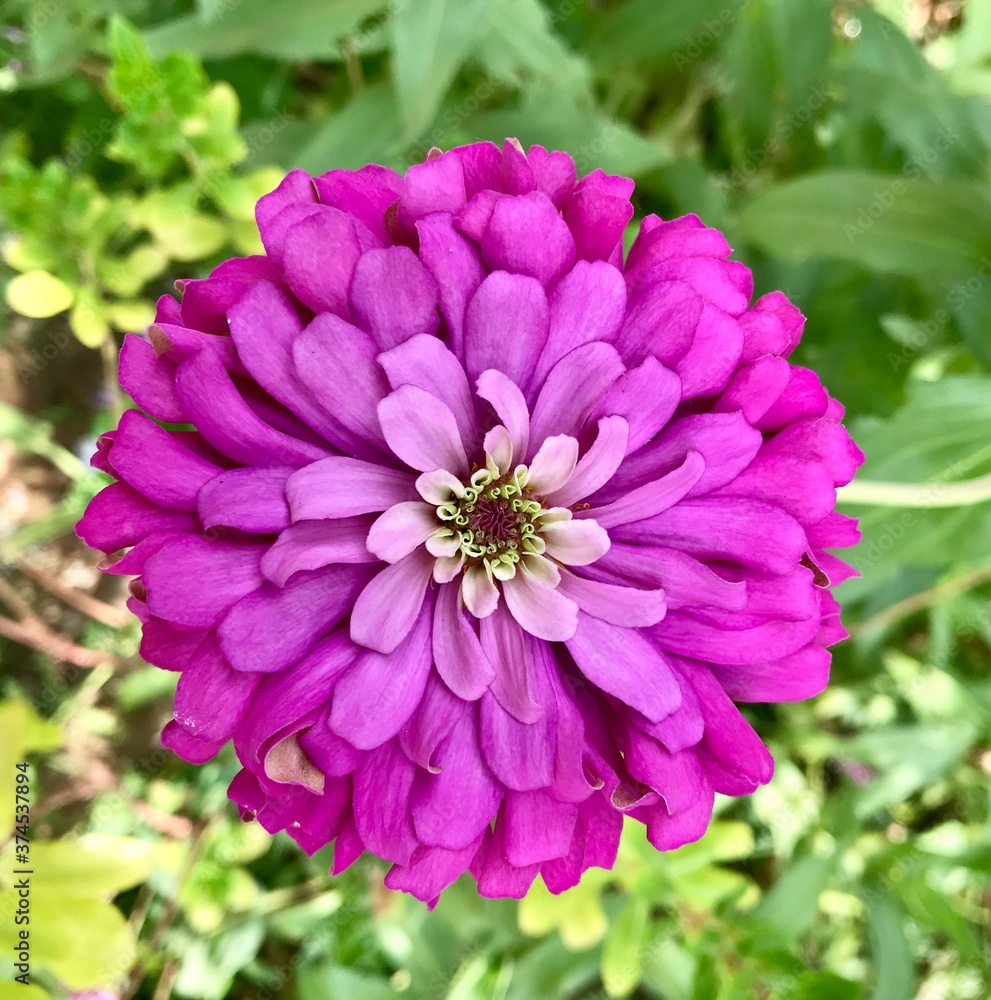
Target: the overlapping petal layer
pixel 476 531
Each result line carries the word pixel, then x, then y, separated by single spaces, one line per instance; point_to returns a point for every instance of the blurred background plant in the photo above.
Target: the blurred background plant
pixel 844 147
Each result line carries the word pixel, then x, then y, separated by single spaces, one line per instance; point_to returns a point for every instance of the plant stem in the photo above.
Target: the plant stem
pixel 928 495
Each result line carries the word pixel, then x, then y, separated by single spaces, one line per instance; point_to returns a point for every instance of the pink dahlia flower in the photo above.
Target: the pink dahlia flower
pixel 475 531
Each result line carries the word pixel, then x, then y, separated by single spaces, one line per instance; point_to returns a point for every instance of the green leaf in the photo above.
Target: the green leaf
pixel 89 318
pixel 38 294
pixel 892 223
pixel 430 41
pixel 29 434
pixel 894 968
pixel 941 435
pixel 367 130
pixel 622 950
pixel 674 32
pixel 521 43
pixel 594 139
pixel 792 903
pixel 907 759
pixel 313 31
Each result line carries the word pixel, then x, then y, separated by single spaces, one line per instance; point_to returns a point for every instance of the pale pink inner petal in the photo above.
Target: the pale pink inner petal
pixel 553 464
pixel 654 498
pixel 541 610
pixel 438 486
pixel 480 594
pixel 596 467
pixel 401 529
pixel 499 445
pixel 507 400
pixel 575 543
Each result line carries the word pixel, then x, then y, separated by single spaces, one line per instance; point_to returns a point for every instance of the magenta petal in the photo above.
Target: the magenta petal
pixel 520 754
pixel 333 755
pixel 364 194
pixel 264 326
pixel 713 356
pixel 296 188
pixel 506 302
pixel 509 652
pixel 119 516
pixel 735 759
pixel 169 646
pixel 211 698
pixel 497 878
pixel 438 185
pixel 553 172
pixel 194 581
pixel 667 831
pixel 382 786
pixel 401 529
pixel 458 653
pixel 422 431
pixel 745 531
pixel 431 724
pixel 684 634
pixel 660 321
pixel 725 441
pixel 271 628
pixel 454 806
pixel 794 677
pixel 223 417
pixel 652 499
pixel 336 362
pixel 454 264
pixel 586 305
pixel 188 747
pixel 573 387
pixel 597 216
pixel 149 379
pixel 538 828
pixel 251 500
pixel 526 235
pixel 645 397
pixel 320 255
pixel 430 871
pixel 309 545
pixel 426 363
pixel 380 691
pixel 393 296
pixel 343 487
pixel 510 407
pixel 388 607
pixel 626 606
pixel 625 664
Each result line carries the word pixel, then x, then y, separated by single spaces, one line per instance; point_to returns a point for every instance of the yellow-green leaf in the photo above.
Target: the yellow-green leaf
pixel 130 316
pixel 88 318
pixel 38 294
pixel 23 731
pixel 622 952
pixel 20 991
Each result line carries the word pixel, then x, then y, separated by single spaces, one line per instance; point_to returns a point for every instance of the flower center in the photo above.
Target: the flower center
pixel 493 519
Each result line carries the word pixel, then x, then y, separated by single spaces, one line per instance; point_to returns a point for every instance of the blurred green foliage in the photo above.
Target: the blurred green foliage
pixel 844 148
